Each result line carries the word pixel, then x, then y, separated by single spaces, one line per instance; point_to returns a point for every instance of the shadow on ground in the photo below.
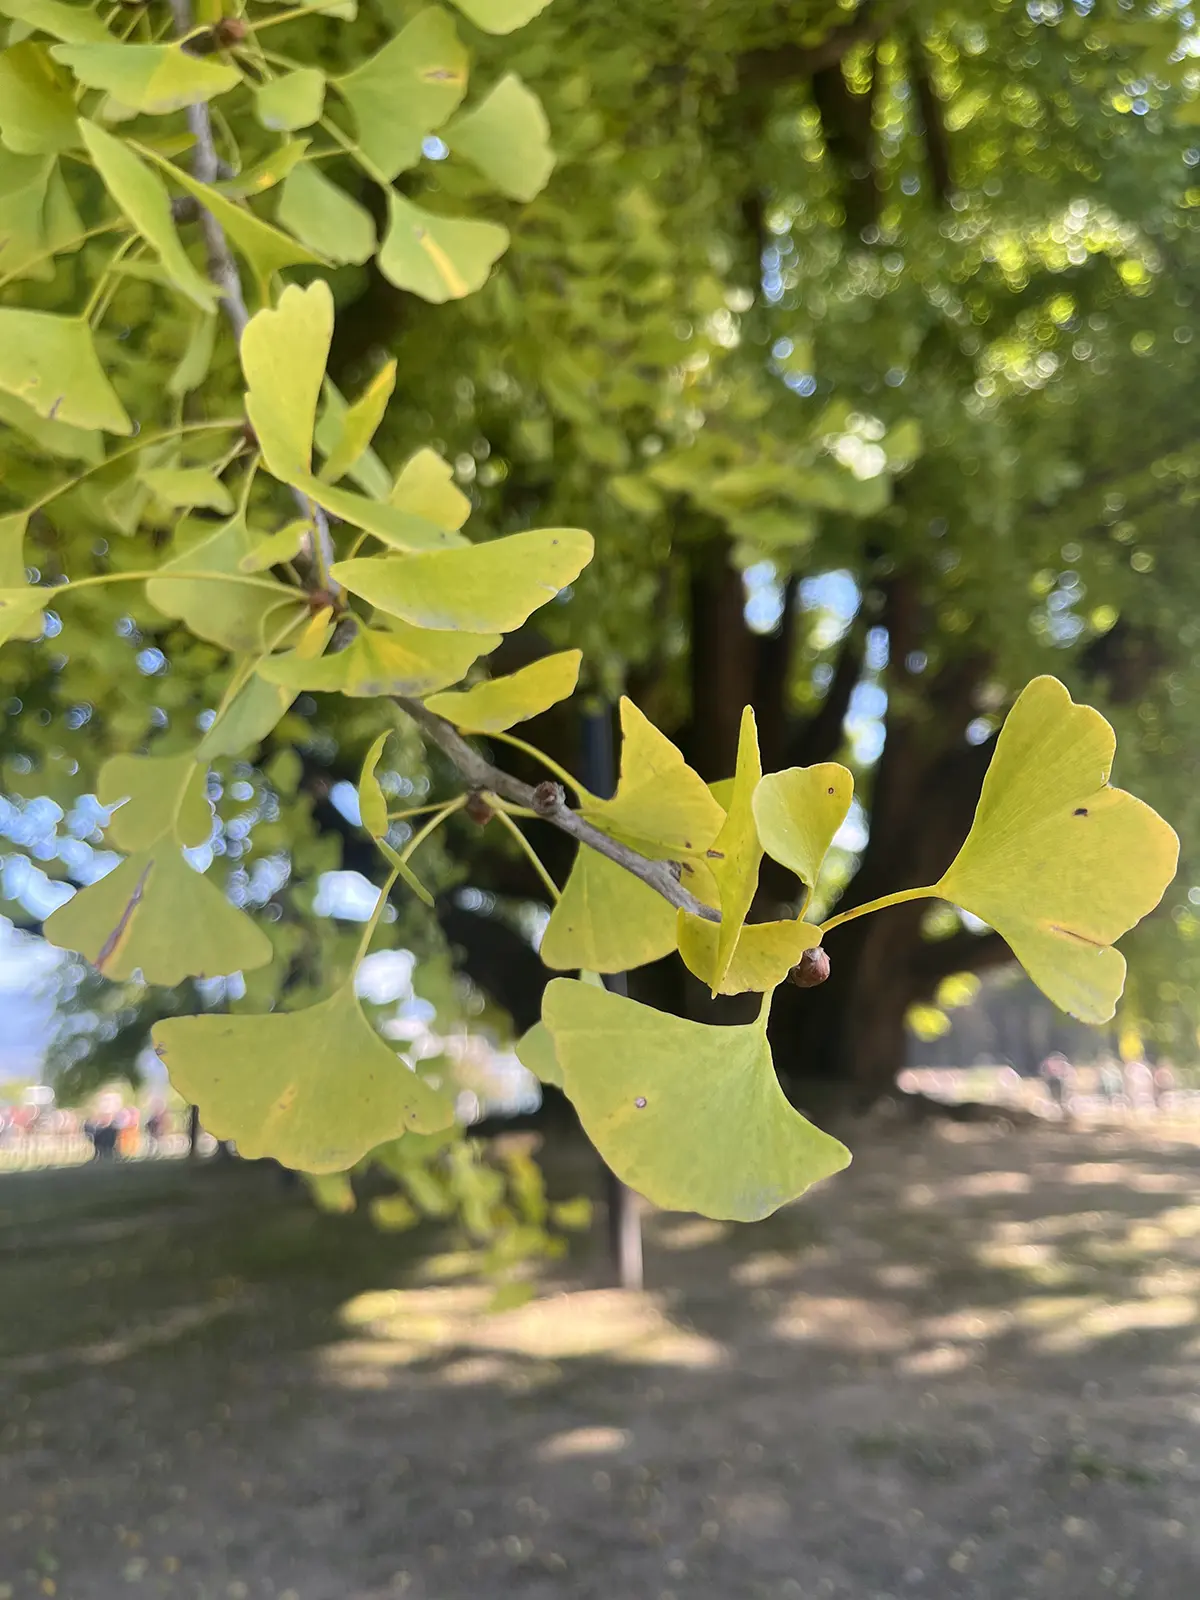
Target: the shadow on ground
pixel 967 1368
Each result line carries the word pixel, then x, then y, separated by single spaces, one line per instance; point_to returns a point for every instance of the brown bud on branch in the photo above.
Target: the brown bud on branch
pixel 810 970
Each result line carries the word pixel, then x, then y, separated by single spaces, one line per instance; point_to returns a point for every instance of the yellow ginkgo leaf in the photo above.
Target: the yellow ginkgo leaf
pixel 690 1116
pixel 607 920
pixel 161 795
pixel 156 914
pixel 235 615
pixel 736 852
pixel 314 1089
pixel 372 804
pixel 393 660
pixel 1057 861
pixel 283 352
pixel 357 425
pixel 494 706
pixel 661 805
pixel 425 487
pixel 482 587
pixel 762 958
pixel 21 612
pixel 798 811
pixel 535 1051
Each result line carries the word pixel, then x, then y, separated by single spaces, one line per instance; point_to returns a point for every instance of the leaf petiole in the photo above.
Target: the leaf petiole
pixel 129 450
pixel 881 904
pixel 402 860
pixel 546 761
pixel 535 859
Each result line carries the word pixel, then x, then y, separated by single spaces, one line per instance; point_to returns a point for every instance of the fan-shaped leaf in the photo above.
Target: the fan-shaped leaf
pixel 283 352
pixel 233 615
pixel 394 660
pixel 284 544
pixel 293 101
pixel 762 958
pixel 357 425
pixel 157 797
pixel 661 805
pixel 186 487
pixel 324 217
pixel 535 1051
pixel 406 89
pixel 425 488
pixel 607 920
pixel 21 612
pixel 257 707
pixel 73 24
pixel 372 803
pixel 368 471
pixel 736 851
pixel 798 811
pixel 1057 861
pixel 314 1089
pixel 37 109
pixel 484 587
pixel 500 16
pixel 439 258
pixel 691 1116
pixel 156 78
pixel 154 913
pixel 50 362
pixel 507 138
pixel 494 706
pixel 385 522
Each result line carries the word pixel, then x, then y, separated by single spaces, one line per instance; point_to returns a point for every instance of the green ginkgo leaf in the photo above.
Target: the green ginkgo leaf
pixel 690 1116
pixel 1057 861
pixel 142 196
pixel 193 365
pixel 425 487
pixel 37 109
pixel 736 852
pixel 661 804
pixel 12 549
pixel 606 920
pixel 798 811
pixel 284 544
pixel 24 182
pixel 501 16
pixel 439 258
pixel 258 706
pixel 273 168
pixel 157 797
pixel 55 438
pixel 357 425
pixel 293 101
pixel 367 470
pixel 154 78
pixel 155 914
pixel 762 957
pixel 21 612
pixel 50 362
pixel 494 706
pixel 535 1051
pixel 283 352
pixel 507 138
pixel 73 24
pixel 393 660
pixel 231 614
pixel 372 802
pixel 385 522
pixel 483 587
pixel 188 487
pixel 313 1089
pixel 324 217
pixel 406 90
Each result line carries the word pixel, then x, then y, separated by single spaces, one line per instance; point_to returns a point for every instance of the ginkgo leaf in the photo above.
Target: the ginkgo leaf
pixel 535 1051
pixel 324 217
pixel 762 958
pixel 661 804
pixel 500 16
pixel 388 523
pixel 271 549
pixel 690 1116
pixel 606 920
pixel 187 487
pixel 283 352
pixel 1057 861
pixel 192 367
pixel 50 362
pixel 494 706
pixel 157 797
pixel 798 811
pixel 142 196
pixel 37 108
pixel 367 470
pixel 358 423
pixel 155 78
pixel 230 614
pixel 405 872
pixel 406 90
pixel 21 612
pixel 73 24
pixel 265 174
pixel 736 852
pixel 257 707
pixel 439 258
pixel 483 587
pixel 507 138
pixel 393 660
pixel 12 550
pixel 313 1089
pixel 292 101
pixel 425 487
pixel 155 914
pixel 372 803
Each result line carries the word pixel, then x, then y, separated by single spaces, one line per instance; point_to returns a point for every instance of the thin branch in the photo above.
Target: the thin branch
pixel 481 774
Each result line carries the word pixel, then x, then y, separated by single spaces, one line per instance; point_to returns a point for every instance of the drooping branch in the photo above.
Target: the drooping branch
pixel 548 801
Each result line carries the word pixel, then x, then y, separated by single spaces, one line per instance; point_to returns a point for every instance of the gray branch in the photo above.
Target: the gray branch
pixel 482 775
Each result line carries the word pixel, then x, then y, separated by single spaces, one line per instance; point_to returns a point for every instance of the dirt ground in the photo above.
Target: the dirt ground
pixel 970 1367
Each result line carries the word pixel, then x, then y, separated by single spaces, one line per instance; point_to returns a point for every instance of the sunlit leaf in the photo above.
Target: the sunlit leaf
pixel 358 424
pixel 607 920
pixel 690 1116
pixel 507 138
pixel 265 174
pixel 425 487
pixel 406 89
pixel 272 549
pixel 500 16
pixel 50 362
pixel 405 872
pixel 535 1051
pixel 324 217
pixel 313 1089
pixel 148 77
pixel 762 958
pixel 258 706
pixel 293 101
pixel 37 109
pixel 157 797
pixel 142 196
pixel 227 613
pixel 483 587
pixel 736 851
pixel 393 660
pixel 193 365
pixel 1057 861
pixel 798 811
pixel 439 258
pixel 185 487
pixel 73 24
pixel 283 352
pixel 367 470
pixel 153 913
pixel 493 706
pixel 388 523
pixel 21 612
pixel 661 803
pixel 372 803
